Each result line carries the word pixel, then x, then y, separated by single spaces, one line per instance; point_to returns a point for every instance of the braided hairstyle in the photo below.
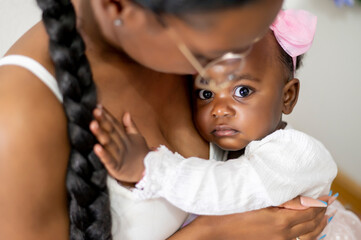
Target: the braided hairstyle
pixel 86 176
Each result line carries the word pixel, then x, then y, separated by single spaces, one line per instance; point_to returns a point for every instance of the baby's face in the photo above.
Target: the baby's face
pixel 249 108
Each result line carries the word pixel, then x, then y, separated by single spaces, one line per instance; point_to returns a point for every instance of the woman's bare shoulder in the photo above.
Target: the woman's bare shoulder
pixel 33 158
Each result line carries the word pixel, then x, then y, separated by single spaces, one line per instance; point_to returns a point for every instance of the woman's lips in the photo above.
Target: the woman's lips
pixel 224 131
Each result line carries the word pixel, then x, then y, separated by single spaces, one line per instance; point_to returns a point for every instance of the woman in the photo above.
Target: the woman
pixel 131 48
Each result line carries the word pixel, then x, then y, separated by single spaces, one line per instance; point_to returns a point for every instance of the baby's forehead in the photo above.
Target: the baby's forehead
pixel 275 52
pixel 272 44
pixel 266 54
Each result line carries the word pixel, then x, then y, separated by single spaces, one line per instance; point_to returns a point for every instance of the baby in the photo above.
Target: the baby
pixel 256 159
pixel 270 163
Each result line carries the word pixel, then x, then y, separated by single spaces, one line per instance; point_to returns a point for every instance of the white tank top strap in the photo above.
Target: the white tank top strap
pixel 36 68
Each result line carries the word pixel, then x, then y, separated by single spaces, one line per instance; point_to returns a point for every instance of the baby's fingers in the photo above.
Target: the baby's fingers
pixel 102 136
pixel 110 163
pixel 129 125
pixel 111 142
pixel 110 125
pixel 105 120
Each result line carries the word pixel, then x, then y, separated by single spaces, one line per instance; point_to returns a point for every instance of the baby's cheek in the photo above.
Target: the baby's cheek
pixel 201 119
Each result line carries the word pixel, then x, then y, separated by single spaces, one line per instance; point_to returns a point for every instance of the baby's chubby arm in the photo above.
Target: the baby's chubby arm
pixel 285 164
pixel 276 169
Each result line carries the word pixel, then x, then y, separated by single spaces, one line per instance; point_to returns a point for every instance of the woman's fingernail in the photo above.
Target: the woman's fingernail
pixel 311 202
pixel 322 237
pixel 330 193
pixel 333 198
pixel 329 220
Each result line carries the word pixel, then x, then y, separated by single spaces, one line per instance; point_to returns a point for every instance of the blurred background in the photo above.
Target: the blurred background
pixel 329 106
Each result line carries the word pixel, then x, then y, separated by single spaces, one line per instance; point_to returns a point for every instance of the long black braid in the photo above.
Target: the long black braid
pixel 86 176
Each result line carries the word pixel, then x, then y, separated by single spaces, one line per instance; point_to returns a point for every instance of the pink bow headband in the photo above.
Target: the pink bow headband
pixel 294 31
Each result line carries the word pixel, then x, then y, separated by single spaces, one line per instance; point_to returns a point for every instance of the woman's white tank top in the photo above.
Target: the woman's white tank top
pixel 154 219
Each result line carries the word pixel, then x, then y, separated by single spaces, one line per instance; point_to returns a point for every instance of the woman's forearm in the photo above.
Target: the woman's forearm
pixel 201 228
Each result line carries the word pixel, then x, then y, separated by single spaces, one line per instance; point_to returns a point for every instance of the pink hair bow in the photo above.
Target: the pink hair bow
pixel 294 31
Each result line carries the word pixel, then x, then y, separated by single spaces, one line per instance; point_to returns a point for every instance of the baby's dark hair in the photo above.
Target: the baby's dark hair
pixel 287 61
pixel 89 207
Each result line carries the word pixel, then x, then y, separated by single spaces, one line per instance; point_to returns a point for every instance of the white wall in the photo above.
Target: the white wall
pixel 16 16
pixel 329 107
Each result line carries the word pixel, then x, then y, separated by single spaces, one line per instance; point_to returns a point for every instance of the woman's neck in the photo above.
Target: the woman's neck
pixel 159 103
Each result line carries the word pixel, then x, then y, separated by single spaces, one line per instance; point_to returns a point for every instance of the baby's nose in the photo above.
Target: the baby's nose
pixel 222 110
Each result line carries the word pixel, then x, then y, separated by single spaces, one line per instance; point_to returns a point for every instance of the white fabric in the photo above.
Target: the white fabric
pixel 154 219
pixel 283 165
pixel 36 68
pixel 345 225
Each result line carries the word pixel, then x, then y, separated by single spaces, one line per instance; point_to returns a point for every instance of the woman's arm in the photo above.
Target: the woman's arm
pixel 269 223
pixel 33 159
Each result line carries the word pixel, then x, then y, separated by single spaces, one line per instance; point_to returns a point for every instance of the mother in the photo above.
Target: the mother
pixel 131 55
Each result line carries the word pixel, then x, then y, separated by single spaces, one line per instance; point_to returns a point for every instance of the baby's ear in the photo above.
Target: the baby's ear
pixel 290 95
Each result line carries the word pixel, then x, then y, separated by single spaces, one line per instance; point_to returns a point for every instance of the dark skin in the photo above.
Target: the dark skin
pixel 33 197
pixel 251 107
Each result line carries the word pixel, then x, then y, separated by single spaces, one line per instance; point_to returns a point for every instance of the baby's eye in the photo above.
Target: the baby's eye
pixel 205 94
pixel 242 91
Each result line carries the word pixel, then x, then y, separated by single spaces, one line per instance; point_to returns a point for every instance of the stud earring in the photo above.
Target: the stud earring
pixel 118 22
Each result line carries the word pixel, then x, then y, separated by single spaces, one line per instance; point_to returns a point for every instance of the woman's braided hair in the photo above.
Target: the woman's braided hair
pixel 86 176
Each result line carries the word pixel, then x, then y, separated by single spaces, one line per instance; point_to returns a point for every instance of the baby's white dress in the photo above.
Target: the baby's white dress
pixel 283 165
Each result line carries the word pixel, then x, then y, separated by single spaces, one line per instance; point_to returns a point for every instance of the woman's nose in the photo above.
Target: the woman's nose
pixel 222 110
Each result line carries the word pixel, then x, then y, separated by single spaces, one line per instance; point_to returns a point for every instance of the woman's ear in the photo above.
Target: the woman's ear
pixel 107 10
pixel 118 18
pixel 107 14
pixel 290 95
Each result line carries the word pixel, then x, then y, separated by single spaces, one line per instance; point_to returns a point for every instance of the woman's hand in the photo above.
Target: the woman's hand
pixel 122 148
pixel 270 223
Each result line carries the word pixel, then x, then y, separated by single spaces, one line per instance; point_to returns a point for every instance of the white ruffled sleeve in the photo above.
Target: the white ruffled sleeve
pixel 278 168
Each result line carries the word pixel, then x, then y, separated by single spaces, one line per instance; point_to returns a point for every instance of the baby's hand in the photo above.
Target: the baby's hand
pixel 122 148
